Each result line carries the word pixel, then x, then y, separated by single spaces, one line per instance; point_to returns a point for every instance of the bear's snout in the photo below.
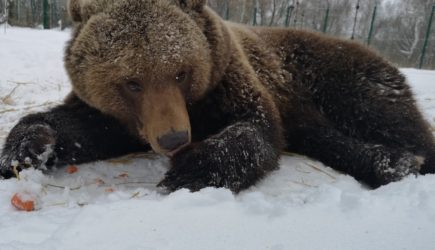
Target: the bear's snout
pixel 165 122
pixel 173 140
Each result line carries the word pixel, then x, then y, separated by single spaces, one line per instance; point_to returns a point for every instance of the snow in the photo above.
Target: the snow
pixel 115 205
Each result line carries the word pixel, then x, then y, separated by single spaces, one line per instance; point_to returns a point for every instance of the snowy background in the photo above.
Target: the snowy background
pixel 114 204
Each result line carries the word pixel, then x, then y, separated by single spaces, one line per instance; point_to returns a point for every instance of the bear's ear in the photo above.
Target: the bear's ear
pixel 82 10
pixel 74 10
pixel 197 5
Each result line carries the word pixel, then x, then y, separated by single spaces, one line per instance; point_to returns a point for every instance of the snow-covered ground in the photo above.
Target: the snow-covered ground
pixel 114 204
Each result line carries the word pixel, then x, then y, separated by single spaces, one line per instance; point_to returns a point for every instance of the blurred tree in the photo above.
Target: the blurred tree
pixel 398 30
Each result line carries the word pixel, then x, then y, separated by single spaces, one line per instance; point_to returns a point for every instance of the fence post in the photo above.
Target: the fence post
pixel 255 17
pixel 296 14
pixel 6 14
pixel 33 7
pixel 45 20
pixel 325 22
pixel 53 14
pixel 18 16
pixel 426 39
pixel 289 15
pixel 372 25
pixel 227 12
pixel 356 19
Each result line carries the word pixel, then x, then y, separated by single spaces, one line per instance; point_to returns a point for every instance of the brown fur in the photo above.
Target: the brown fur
pixel 289 77
pixel 247 94
pixel 90 59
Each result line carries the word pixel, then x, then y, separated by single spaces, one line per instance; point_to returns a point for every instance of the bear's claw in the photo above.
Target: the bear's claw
pixel 187 172
pixel 29 147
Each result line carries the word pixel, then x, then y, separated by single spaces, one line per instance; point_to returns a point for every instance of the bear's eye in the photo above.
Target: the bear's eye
pixel 181 77
pixel 134 86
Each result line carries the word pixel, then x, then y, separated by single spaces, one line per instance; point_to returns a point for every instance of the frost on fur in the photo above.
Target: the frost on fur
pixel 247 94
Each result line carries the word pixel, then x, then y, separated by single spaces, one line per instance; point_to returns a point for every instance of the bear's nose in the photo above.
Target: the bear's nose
pixel 173 140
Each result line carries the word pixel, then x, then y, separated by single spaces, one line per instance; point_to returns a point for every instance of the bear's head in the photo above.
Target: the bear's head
pixel 146 61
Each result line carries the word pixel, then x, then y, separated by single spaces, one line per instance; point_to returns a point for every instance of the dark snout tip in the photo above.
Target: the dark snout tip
pixel 173 140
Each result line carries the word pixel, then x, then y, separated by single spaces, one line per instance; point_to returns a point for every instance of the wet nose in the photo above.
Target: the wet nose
pixel 174 140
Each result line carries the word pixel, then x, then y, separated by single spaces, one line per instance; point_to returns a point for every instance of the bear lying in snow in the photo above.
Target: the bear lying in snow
pixel 222 100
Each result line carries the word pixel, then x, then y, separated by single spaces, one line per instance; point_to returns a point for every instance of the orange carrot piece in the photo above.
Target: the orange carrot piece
pixel 72 169
pixel 22 204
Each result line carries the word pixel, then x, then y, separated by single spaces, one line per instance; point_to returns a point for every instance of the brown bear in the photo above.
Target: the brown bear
pixel 222 100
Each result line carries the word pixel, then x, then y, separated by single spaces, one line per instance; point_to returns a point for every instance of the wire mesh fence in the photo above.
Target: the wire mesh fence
pixel 399 29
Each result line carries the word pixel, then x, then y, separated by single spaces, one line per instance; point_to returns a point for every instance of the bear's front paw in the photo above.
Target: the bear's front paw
pixel 29 147
pixel 190 170
pixel 396 166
